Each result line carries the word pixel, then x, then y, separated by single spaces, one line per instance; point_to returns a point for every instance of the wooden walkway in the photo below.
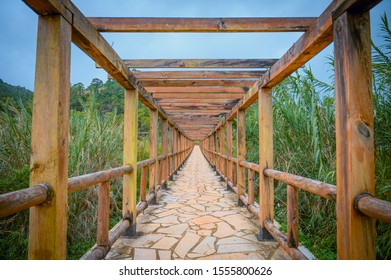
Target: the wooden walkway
pixel 196 218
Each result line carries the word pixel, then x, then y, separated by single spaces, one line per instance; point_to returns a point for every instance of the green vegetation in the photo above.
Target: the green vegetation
pixel 304 144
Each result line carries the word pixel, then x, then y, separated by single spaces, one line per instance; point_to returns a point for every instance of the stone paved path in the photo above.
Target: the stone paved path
pixel 196 218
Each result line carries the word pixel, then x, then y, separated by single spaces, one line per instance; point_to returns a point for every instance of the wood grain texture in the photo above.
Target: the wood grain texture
pixel 195 90
pixel 266 185
pixel 129 189
pixel 250 179
pixel 49 137
pixel 197 83
pixel 199 63
pixel 143 183
pixel 165 150
pixel 293 216
pixel 375 208
pixel 103 214
pixel 354 134
pixel 244 24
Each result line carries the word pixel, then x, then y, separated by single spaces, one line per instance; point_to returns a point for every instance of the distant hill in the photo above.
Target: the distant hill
pixel 16 92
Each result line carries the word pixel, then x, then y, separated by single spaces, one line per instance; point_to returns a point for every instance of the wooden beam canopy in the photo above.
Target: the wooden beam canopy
pixel 163 75
pixel 199 63
pixel 143 24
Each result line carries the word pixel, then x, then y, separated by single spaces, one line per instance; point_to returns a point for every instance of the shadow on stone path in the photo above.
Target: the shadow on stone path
pixel 196 218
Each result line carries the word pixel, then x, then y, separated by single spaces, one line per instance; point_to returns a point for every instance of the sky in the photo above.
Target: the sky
pixel 19 31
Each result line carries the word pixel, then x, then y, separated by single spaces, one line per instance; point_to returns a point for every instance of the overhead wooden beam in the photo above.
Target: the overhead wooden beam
pixel 199 63
pixel 194 107
pixel 197 83
pixel 128 24
pixel 163 75
pixel 90 41
pixel 218 111
pixel 201 96
pixel 196 89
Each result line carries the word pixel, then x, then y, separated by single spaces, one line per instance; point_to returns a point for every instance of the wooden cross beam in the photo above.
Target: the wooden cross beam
pixel 199 63
pixel 128 24
pixel 164 75
pixel 197 83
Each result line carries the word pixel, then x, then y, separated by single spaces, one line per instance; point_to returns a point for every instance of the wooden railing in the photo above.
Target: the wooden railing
pixel 11 203
pixel 227 167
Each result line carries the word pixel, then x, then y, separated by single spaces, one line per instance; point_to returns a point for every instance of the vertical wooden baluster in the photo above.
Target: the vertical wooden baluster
pixel 49 137
pixel 130 157
pixel 143 183
pixel 293 216
pixel 153 135
pixel 171 151
pixel 103 214
pixel 266 187
pixel 229 151
pixel 241 150
pixel 354 133
pixel 251 186
pixel 165 168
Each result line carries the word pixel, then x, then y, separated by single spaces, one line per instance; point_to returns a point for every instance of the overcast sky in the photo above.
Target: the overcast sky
pixel 19 31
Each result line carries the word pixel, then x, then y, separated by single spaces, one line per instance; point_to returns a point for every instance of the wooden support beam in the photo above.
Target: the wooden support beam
pixel 129 188
pixel 354 133
pixel 199 63
pixel 194 107
pixel 266 187
pixel 153 144
pixel 171 171
pixel 197 83
pixel 132 24
pixel 164 75
pixel 241 151
pixel 195 90
pixel 202 96
pixel 49 137
pixel 229 149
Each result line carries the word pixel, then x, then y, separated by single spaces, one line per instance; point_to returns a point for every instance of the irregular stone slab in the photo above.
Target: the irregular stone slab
pixel 206 247
pixel 147 228
pixel 198 207
pixel 204 232
pixel 220 214
pixel 144 254
pixel 174 230
pixel 164 255
pixel 186 217
pixel 239 222
pixel 167 213
pixel 165 243
pixel 186 243
pixel 233 256
pixel 234 248
pixel 173 206
pixel 167 220
pixel 224 230
pixel 205 220
pixel 234 240
pixel 143 241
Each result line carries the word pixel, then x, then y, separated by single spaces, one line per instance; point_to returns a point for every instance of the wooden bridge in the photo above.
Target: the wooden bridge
pixel 197 217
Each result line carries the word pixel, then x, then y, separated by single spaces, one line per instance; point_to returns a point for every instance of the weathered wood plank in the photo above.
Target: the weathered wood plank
pixel 354 133
pixel 165 150
pixel 129 189
pixel 229 149
pixel 49 137
pixel 266 187
pixel 103 214
pixel 293 216
pixel 250 179
pixel 197 83
pixel 143 183
pixel 164 75
pixel 247 24
pixel 199 63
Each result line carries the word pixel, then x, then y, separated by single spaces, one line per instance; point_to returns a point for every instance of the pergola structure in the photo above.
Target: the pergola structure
pixel 200 105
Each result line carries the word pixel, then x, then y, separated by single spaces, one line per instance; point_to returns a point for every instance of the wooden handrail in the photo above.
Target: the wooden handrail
pixel 373 207
pixel 13 202
pixel 322 189
pixel 85 181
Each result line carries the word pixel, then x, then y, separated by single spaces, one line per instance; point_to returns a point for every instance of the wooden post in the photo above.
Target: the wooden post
pixel 293 216
pixel 171 151
pixel 354 133
pixel 266 187
pixel 229 152
pixel 241 150
pixel 130 157
pixel 103 214
pixel 222 151
pixel 49 137
pixel 251 186
pixel 165 168
pixel 153 142
pixel 143 183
